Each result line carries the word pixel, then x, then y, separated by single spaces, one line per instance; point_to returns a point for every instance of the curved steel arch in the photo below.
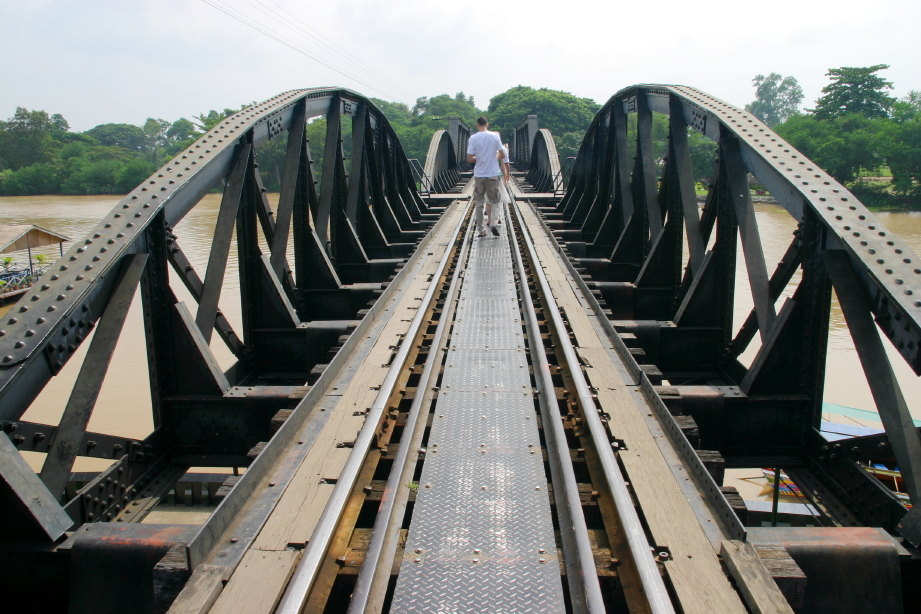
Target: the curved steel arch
pixel 441 168
pixel 544 164
pixel 626 218
pixel 349 236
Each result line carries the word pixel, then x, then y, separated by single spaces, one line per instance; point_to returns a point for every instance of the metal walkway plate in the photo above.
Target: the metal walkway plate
pixel 481 537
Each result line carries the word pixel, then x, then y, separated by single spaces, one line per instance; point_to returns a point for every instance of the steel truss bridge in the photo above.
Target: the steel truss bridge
pixel 435 422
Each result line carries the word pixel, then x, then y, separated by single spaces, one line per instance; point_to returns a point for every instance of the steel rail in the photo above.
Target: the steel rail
pixel 367 596
pixel 296 594
pixel 581 575
pixel 654 587
pixel 725 523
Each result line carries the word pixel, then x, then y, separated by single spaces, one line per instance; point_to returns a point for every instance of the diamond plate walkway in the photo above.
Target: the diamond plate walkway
pixel 481 537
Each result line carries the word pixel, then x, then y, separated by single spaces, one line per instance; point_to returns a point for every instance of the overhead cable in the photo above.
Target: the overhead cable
pixel 255 25
pixel 316 36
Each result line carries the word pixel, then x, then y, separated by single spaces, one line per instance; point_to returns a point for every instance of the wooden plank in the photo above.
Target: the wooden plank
pixel 752 577
pixel 170 575
pixel 201 591
pixel 694 569
pixel 787 574
pixel 259 590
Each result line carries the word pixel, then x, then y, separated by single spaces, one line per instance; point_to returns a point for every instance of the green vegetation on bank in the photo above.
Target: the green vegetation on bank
pixel 864 137
pixel 40 155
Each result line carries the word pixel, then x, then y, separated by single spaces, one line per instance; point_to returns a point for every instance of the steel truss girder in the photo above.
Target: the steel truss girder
pixel 375 217
pixel 886 265
pixel 627 229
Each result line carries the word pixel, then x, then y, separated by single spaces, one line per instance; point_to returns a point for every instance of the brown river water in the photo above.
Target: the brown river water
pixel 123 407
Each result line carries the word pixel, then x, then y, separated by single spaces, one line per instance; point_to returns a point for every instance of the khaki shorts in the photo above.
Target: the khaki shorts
pixel 486 190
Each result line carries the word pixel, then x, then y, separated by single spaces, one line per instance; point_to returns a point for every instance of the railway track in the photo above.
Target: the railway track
pixel 484 471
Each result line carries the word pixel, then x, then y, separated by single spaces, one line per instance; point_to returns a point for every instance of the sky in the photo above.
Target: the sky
pixel 102 61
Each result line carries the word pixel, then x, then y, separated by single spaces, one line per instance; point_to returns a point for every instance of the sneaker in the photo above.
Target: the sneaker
pixel 482 233
pixel 495 230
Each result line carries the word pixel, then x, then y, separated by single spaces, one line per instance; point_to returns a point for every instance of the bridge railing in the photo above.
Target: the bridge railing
pixel 626 218
pixel 350 232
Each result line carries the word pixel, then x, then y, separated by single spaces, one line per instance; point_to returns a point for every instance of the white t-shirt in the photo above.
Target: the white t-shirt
pixel 484 145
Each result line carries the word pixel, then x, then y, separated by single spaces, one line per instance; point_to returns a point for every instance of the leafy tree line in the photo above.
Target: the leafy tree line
pixel 40 155
pixel 565 115
pixel 857 131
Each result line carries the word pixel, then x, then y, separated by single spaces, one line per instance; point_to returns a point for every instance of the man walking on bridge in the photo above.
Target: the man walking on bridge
pixel 483 148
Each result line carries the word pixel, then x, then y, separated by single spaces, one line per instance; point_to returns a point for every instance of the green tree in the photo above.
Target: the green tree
pixel 558 111
pixel 843 146
pixel 703 156
pixel 208 121
pixel 397 112
pixel 444 105
pixel 777 98
pixel 155 138
pixel 855 90
pixel 900 144
pixel 26 138
pixel 568 143
pixel 75 149
pixel 100 177
pixel 179 136
pixel 40 178
pixel 180 130
pixel 59 123
pixel 128 136
pixel 133 173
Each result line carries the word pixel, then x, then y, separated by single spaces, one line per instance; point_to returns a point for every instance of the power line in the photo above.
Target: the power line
pixel 328 44
pixel 255 25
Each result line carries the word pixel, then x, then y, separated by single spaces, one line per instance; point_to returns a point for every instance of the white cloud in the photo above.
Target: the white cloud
pixel 108 61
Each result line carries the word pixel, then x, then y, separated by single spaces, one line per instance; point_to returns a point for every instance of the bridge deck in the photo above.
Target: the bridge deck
pixel 481 537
